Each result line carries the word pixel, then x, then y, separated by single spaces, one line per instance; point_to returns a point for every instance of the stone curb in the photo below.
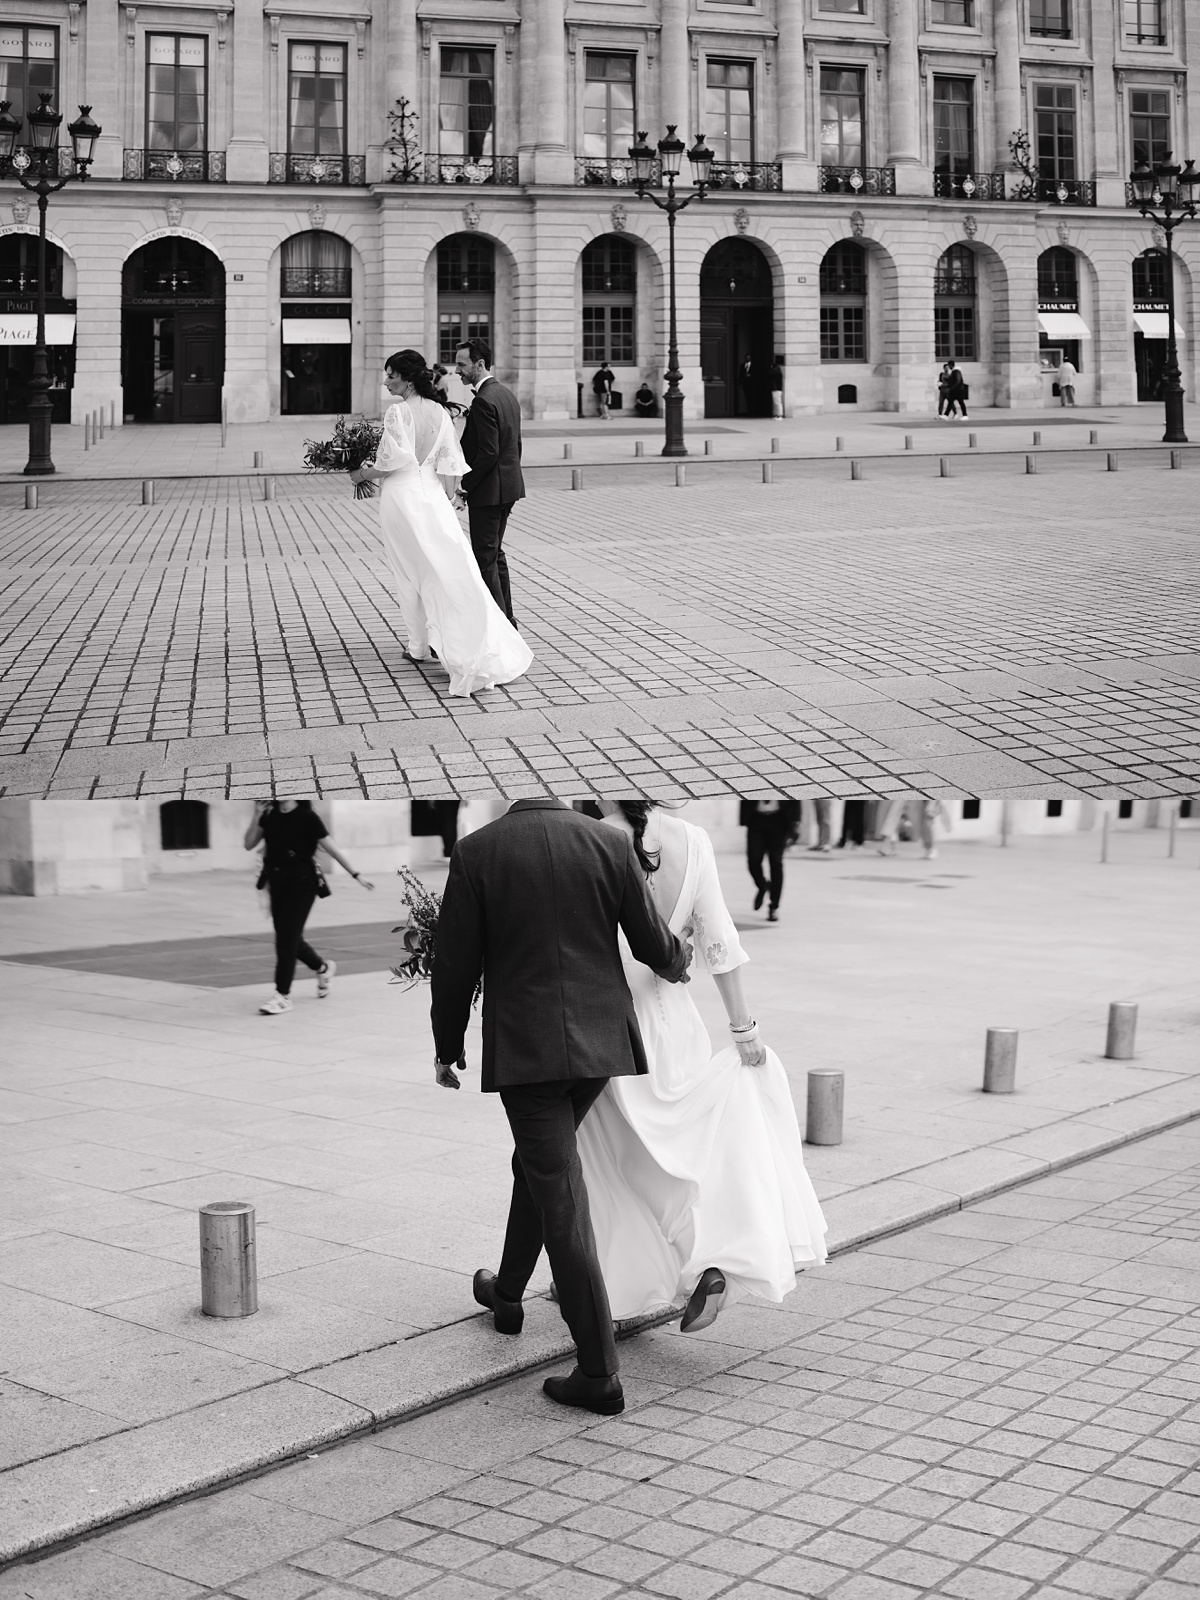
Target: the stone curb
pixel 243 1436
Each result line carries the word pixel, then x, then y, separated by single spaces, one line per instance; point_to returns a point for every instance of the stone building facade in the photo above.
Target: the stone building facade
pixel 259 232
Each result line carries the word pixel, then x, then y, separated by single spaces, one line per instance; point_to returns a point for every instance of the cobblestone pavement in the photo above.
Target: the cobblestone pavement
pixel 998 1405
pixel 995 632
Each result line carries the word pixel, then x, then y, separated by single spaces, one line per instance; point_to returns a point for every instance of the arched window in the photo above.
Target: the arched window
pixel 315 265
pixel 1150 280
pixel 954 305
pixel 609 301
pixel 183 825
pixel 843 281
pixel 314 288
pixel 1058 278
pixel 466 292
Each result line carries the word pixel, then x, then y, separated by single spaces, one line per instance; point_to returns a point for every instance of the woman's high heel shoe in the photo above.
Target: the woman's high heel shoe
pixel 705 1302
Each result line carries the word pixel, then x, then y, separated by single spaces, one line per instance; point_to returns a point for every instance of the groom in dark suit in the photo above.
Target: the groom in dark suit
pixel 491 442
pixel 533 903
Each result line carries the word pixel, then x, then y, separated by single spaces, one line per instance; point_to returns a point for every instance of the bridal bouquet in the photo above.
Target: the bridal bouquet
pixel 420 934
pixel 352 444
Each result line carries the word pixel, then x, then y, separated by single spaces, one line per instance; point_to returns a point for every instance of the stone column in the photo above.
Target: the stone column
pixel 395 26
pixel 904 101
pixel 792 143
pixel 552 160
pixel 1010 112
pixel 1108 111
pixel 104 22
pixel 246 149
pixel 675 73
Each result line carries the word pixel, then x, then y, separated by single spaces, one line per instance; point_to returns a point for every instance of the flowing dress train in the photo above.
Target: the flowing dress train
pixel 444 603
pixel 699 1164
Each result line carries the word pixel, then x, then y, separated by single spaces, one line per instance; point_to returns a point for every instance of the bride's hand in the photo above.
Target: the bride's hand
pixel 753 1052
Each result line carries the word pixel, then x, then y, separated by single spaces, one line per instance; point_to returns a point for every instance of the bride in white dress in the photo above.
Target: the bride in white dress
pixel 695 1173
pixel 444 603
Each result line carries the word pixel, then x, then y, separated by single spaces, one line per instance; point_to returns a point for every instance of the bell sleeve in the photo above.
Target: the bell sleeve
pixel 713 932
pixel 449 461
pixel 397 448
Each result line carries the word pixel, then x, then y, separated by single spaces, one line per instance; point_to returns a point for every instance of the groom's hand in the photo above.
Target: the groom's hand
pixel 668 974
pixel 443 1073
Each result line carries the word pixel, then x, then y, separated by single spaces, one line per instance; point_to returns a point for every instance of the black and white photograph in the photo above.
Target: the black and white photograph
pixel 599 800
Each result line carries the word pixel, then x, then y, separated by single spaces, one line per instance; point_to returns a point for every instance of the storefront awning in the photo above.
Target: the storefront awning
pixel 1154 325
pixel 21 327
pixel 316 330
pixel 1063 325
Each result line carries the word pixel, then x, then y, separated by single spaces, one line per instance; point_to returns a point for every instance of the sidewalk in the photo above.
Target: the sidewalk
pixel 130 1101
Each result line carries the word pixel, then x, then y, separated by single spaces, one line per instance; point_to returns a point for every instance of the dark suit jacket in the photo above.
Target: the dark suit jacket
pixel 786 819
pixel 533 901
pixel 491 442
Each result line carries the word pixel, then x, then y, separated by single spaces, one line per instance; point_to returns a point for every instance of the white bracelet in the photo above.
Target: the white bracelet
pixel 745 1034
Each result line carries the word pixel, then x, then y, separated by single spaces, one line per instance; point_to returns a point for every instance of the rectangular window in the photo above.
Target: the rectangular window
pixel 729 107
pixel 1050 19
pixel 843 120
pixel 856 7
pixel 1150 125
pixel 1144 22
pixel 843 333
pixel 954 125
pixel 176 92
pixel 954 333
pixel 317 99
pixel 467 110
pixel 608 335
pixel 608 105
pixel 28 67
pixel 956 13
pixel 1054 123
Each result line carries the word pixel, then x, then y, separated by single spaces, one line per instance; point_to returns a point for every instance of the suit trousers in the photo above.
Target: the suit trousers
pixel 550 1207
pixel 487 525
pixel 770 842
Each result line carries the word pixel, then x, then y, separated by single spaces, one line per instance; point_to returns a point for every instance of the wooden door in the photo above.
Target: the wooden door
pixel 199 365
pixel 715 356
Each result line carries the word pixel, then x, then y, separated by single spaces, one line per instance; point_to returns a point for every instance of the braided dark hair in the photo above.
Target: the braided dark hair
pixel 410 365
pixel 637 814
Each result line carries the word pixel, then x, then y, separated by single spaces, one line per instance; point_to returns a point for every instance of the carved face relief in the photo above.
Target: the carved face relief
pixel 470 215
pixel 970 226
pixel 316 215
pixel 857 223
pixel 619 216
pixel 174 211
pixel 20 211
pixel 1064 231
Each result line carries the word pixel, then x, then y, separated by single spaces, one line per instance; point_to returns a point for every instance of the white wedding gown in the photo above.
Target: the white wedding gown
pixel 444 603
pixel 699 1164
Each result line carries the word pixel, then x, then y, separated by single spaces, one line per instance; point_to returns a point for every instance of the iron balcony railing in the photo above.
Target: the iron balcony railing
pixel 857 180
pixel 501 170
pixel 745 176
pixel 955 284
pixel 616 172
pixel 968 185
pixel 175 166
pixel 351 170
pixel 1059 191
pixel 315 282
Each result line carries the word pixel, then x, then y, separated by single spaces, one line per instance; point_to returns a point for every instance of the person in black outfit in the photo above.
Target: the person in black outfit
pixel 771 825
pixel 854 823
pixel 491 442
pixel 533 903
pixel 293 833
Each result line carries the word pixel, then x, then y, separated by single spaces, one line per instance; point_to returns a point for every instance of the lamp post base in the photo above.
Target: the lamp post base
pixel 673 415
pixel 39 464
pixel 1174 418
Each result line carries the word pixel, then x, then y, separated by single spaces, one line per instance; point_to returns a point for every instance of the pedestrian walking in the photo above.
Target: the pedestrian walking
pixel 1067 374
pixel 293 833
pixel 602 388
pixel 854 823
pixel 922 809
pixel 828 815
pixel 943 388
pixel 771 825
pixel 956 391
pixel 775 377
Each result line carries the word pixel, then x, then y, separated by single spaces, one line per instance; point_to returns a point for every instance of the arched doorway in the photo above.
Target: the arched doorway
pixel 1150 313
pixel 172 333
pixel 18 327
pixel 737 326
pixel 315 305
pixel 466 280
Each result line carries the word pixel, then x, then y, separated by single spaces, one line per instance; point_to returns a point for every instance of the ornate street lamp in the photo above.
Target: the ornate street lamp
pixel 36 166
pixel 670 154
pixel 1166 195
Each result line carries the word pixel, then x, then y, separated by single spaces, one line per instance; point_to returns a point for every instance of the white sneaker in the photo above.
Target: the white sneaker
pixel 275 1006
pixel 325 978
pixel 931 853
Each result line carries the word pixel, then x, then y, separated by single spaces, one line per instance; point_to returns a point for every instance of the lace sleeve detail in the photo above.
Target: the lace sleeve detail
pixel 449 461
pixel 715 936
pixel 396 449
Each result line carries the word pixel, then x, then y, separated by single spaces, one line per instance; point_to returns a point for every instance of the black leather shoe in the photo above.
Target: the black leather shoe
pixel 604 1396
pixel 759 898
pixel 702 1308
pixel 508 1315
pixel 773 914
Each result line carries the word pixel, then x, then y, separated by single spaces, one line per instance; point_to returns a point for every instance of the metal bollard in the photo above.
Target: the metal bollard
pixel 31 497
pixel 1037 438
pixel 1030 465
pixel 147 491
pixel 1104 839
pixel 639 448
pixel 228 1263
pixel 855 471
pixel 87 433
pixel 1176 459
pixel 681 477
pixel 258 458
pixel 100 420
pixel 577 477
pixel 268 488
pixel 1112 461
pixel 972 441
pixel 768 472
pixel 112 413
pixel 568 451
pixel 826 1102
pixel 1000 1061
pixel 1171 834
pixel 908 441
pixel 1093 436
pixel 943 466
pixel 1122 1031
pixel 708 447
pixel 774 447
pixel 839 443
